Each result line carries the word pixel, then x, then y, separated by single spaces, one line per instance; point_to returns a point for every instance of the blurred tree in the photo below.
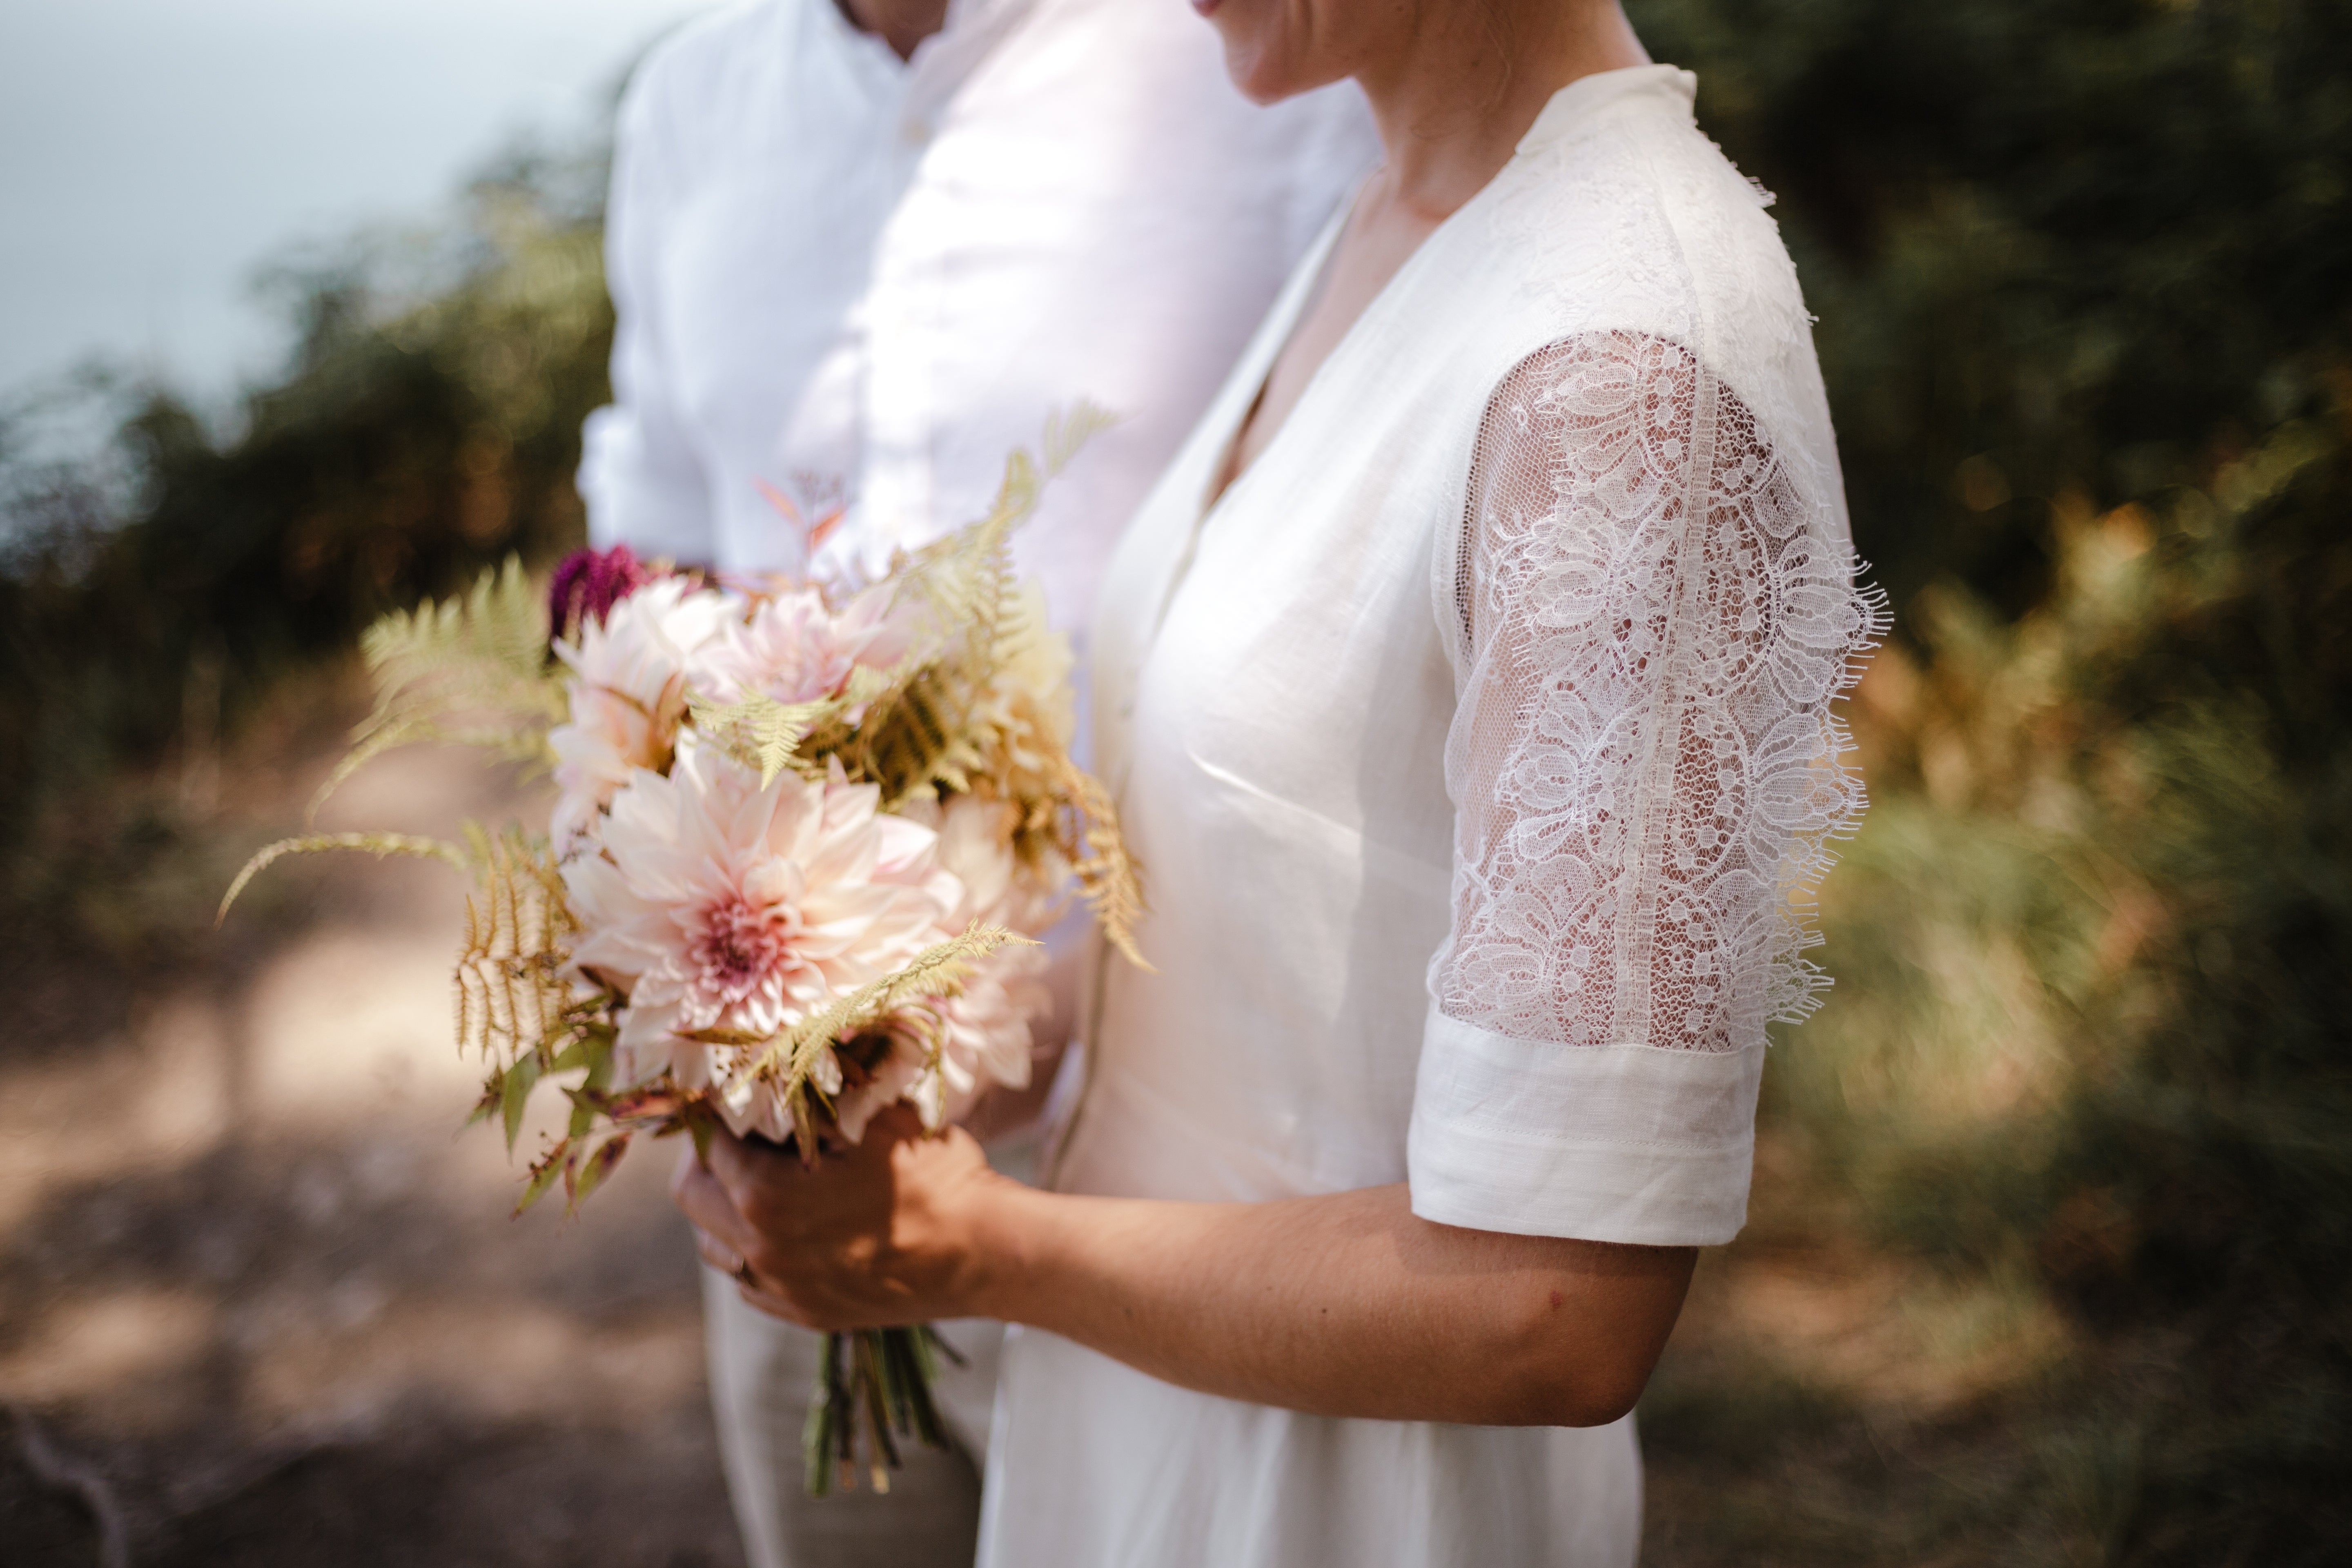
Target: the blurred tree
pixel 2084 269
pixel 428 424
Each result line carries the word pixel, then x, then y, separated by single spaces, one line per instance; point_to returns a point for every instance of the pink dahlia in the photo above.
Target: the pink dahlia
pixel 983 1035
pixel 719 905
pixel 792 649
pixel 631 672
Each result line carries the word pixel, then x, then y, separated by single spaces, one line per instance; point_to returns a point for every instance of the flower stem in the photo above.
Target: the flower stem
pixel 883 1377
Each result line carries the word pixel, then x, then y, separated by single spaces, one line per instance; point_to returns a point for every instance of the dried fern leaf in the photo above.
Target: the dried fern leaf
pixel 1067 433
pixel 760 733
pixel 485 652
pixel 514 999
pixel 938 971
pixel 1111 878
pixel 915 725
pixel 379 844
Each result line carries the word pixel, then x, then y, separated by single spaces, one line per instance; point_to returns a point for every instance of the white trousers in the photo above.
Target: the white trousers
pixel 762 1374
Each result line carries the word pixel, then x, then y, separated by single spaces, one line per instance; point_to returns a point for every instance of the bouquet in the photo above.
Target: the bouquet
pixel 802 845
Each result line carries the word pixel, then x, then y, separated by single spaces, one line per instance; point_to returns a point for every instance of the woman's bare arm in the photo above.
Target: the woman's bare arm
pixel 1339 1305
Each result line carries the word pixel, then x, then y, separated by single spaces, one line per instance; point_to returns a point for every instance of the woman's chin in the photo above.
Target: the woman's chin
pixel 1259 78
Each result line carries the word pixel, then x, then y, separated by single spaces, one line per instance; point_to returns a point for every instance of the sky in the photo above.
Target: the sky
pixel 154 154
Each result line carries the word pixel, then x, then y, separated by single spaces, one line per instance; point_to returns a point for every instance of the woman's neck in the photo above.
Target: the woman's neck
pixel 1455 86
pixel 901 24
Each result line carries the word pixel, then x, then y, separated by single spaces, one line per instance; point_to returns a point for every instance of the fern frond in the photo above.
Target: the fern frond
pixel 379 844
pixel 940 970
pixel 1066 434
pixel 760 733
pixel 514 1001
pixel 1111 878
pixel 915 726
pixel 913 736
pixel 485 652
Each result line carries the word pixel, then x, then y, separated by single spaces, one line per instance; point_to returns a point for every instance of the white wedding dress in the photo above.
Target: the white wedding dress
pixel 1477 743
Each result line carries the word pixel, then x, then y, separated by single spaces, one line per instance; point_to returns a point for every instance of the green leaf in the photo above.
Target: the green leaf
pixel 597 1167
pixel 488 1105
pixel 514 1091
pixel 591 1048
pixel 550 1170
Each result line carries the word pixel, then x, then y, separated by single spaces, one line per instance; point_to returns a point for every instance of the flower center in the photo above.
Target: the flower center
pixel 739 947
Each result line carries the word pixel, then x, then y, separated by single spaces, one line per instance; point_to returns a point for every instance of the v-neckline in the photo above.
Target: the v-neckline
pixel 1222 488
pixel 1292 309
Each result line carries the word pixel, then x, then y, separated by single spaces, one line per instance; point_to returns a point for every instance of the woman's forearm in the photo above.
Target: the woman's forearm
pixel 1339 1305
pixel 1345 1304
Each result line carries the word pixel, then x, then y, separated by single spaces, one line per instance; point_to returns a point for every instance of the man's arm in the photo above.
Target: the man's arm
pixel 639 473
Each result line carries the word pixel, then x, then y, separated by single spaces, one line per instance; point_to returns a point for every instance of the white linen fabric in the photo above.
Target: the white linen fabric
pixel 846 280
pixel 1478 744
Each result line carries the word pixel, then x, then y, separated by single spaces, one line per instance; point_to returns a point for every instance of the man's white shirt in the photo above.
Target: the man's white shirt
pixel 842 277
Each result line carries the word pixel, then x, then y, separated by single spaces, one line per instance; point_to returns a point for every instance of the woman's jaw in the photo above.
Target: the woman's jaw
pixel 1278 48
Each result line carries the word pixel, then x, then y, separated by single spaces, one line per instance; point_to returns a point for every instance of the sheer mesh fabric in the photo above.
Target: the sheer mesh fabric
pixel 1644 761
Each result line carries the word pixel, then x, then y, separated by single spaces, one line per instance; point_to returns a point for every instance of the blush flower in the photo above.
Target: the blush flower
pixel 717 905
pixel 984 1036
pixel 792 648
pixel 631 672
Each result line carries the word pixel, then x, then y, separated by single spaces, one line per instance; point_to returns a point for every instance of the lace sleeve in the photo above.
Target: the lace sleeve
pixel 1646 771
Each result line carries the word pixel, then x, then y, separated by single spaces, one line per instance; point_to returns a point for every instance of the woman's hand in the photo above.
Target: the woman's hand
pixel 878 1233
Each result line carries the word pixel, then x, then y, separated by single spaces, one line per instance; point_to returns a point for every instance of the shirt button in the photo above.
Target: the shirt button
pixel 915 132
pixel 1127 709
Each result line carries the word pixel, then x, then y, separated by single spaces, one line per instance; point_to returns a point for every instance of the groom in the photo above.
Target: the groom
pixel 859 249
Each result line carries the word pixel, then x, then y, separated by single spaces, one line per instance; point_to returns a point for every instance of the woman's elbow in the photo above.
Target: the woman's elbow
pixel 1583 1357
pixel 1570 1391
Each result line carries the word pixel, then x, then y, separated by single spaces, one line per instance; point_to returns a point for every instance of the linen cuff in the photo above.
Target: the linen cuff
pixel 1623 1143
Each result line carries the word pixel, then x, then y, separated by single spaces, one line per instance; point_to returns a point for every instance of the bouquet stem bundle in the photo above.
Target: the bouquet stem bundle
pixel 883 1377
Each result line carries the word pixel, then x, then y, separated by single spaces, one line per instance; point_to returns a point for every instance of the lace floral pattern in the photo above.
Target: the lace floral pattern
pixel 1645 762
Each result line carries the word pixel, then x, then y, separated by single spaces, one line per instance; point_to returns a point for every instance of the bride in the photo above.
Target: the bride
pixel 1466 685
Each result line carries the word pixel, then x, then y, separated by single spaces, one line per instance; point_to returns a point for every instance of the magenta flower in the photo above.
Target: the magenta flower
pixel 588 585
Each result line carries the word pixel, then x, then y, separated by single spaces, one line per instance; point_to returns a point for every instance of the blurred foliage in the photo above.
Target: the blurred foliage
pixel 2084 269
pixel 427 425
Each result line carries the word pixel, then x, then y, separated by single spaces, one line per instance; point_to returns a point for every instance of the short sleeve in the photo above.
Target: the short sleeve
pixel 1645 770
pixel 640 472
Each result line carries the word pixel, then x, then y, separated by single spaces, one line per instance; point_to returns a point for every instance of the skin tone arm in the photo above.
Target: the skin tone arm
pixel 1345 1304
pixel 1342 1305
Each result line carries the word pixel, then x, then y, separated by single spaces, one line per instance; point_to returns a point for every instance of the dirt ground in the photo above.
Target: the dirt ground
pixel 261 1301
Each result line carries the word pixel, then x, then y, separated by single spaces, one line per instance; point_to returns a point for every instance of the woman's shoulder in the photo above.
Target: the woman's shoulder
pixel 1620 215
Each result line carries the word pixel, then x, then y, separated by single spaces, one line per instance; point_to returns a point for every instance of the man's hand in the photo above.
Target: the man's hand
pixel 878 1233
